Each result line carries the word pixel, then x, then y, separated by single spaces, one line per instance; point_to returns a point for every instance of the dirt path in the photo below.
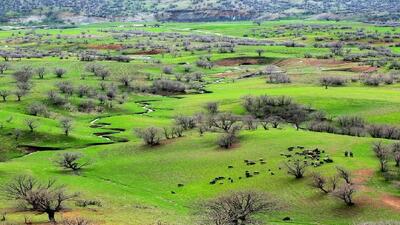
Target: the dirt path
pixel 392 201
pixel 361 177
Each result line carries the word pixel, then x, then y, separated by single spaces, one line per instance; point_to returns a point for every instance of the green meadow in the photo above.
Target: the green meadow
pixel 138 184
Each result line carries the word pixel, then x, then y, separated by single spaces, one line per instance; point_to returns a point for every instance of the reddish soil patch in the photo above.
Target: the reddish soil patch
pixel 330 63
pixel 364 69
pixel 310 62
pixel 391 201
pixel 149 52
pixel 224 75
pixel 243 61
pixel 106 47
pixel 363 175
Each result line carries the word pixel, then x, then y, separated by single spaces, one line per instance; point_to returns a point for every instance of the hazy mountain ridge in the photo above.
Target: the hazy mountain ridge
pixel 203 10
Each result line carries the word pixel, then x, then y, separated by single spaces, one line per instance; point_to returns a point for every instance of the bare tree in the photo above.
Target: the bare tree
pixel 66 125
pixel 320 182
pixel 224 121
pixel 32 124
pixel 24 75
pixel 237 208
pixel 296 167
pixel 344 174
pixel 345 193
pixel 227 139
pixel 71 161
pixel 17 133
pixel 126 80
pixel 250 122
pixel 396 153
pixel 211 107
pixel 260 52
pixel 274 121
pixel 19 93
pixel 186 122
pixel 3 67
pixel 102 73
pixel 43 198
pixel 37 108
pixel 4 94
pixel 93 67
pixel 382 153
pixel 151 135
pixel 41 71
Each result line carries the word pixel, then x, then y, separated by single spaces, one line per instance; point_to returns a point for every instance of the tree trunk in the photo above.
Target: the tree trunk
pixel 51 215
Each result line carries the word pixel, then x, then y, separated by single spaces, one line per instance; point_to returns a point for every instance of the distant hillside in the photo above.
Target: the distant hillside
pixel 198 10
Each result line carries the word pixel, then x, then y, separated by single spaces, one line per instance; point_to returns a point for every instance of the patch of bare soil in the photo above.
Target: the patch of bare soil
pixel 225 75
pixel 310 62
pixel 149 52
pixel 362 176
pixel 330 64
pixel 364 69
pixel 243 61
pixel 106 47
pixel 391 201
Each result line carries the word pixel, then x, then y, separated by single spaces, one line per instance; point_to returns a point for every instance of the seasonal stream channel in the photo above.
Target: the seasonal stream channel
pixel 107 135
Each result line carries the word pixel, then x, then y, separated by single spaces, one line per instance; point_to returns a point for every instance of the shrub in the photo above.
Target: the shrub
pixel 85 203
pixel 59 72
pixel 211 107
pixel 296 167
pixel 151 135
pixel 227 139
pixel 372 81
pixel 168 87
pixel 55 99
pixel 278 78
pixel 351 125
pixel 66 87
pixel 71 161
pixel 66 125
pixel 332 81
pixel 186 122
pixel 167 70
pixel 87 106
pixel 322 126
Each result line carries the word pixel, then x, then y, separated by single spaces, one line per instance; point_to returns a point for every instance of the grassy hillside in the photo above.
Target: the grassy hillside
pixel 165 184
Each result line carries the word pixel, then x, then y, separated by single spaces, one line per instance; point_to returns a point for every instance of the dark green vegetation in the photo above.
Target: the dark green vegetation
pixel 158 124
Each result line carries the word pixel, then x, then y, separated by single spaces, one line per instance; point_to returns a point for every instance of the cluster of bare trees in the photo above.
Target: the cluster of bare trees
pixel 353 126
pixel 339 185
pixel 386 153
pixel 276 109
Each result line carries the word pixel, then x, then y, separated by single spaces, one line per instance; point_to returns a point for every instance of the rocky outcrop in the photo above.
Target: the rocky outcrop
pixel 207 15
